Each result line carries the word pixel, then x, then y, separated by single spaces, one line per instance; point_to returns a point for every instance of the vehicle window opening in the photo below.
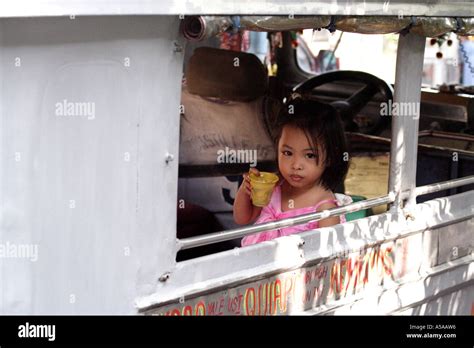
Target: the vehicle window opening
pixel 204 178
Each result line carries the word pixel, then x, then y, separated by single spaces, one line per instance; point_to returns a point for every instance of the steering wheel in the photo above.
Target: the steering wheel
pixel 350 107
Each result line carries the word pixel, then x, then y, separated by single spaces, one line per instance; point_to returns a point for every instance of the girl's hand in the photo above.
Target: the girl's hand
pixel 246 184
pixel 244 211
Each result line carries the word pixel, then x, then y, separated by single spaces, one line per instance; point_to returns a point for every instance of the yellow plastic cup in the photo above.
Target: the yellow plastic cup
pixel 262 188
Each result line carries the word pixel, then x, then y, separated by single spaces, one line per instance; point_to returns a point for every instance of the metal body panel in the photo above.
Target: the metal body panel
pixel 289 256
pixel 91 190
pixel 455 302
pixel 404 144
pixel 197 28
pixel 95 191
pixel 455 241
pixel 42 8
pixel 442 290
pixel 357 283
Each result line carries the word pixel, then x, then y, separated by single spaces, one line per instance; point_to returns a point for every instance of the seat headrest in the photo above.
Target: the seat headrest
pixel 224 74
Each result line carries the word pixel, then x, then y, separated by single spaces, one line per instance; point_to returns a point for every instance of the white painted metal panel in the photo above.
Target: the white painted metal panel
pixel 453 303
pixel 404 144
pixel 193 278
pixel 455 241
pixel 91 189
pixel 30 8
pixel 444 290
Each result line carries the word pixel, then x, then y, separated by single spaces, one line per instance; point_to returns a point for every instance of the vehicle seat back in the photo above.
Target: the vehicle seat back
pixel 225 106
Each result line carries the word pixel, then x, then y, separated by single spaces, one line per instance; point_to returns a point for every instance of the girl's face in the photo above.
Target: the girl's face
pixel 297 162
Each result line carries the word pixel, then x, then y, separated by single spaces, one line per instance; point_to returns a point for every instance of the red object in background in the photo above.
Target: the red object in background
pixel 239 41
pixel 231 41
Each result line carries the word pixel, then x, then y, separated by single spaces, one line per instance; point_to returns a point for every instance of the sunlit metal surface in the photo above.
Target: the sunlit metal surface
pixel 448 216
pixel 404 144
pixel 446 185
pixel 433 27
pixel 197 28
pixel 466 26
pixel 244 231
pixel 43 8
pixel 372 24
pixel 282 23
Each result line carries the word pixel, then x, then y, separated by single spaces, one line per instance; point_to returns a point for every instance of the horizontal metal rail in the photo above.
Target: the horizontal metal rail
pixel 211 238
pixel 446 135
pixel 441 186
pixel 216 237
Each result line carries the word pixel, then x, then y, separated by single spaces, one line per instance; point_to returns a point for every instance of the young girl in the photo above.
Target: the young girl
pixel 312 162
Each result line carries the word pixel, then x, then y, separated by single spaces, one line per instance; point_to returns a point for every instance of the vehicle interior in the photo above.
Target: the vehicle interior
pixel 225 106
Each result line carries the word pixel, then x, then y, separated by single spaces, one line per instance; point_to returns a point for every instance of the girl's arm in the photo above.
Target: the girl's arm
pixel 330 221
pixel 244 211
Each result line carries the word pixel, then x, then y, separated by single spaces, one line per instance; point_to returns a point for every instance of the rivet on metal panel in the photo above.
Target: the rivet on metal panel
pixel 168 158
pixel 177 47
pixel 164 277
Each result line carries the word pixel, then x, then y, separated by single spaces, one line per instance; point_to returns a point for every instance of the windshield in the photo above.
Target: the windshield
pixel 448 59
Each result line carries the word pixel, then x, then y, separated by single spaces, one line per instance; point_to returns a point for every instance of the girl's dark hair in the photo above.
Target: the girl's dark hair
pixel 323 126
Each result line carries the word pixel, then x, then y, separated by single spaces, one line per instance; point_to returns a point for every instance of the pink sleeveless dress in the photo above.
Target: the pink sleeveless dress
pixel 272 212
